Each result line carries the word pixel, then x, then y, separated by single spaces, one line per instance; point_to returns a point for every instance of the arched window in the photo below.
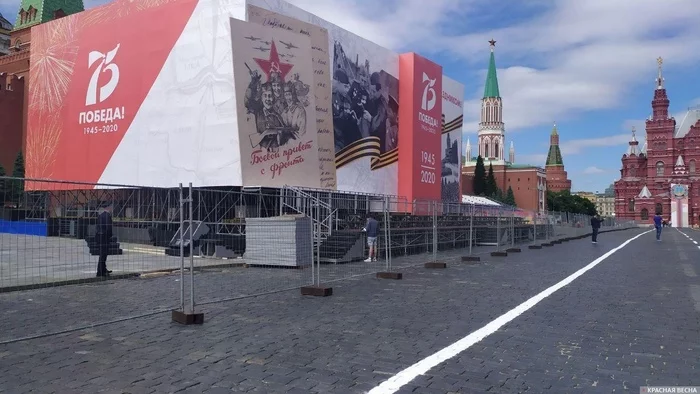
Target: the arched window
pixel 691 167
pixel 487 153
pixel 659 209
pixel 645 214
pixel 496 152
pixel 630 206
pixel 659 168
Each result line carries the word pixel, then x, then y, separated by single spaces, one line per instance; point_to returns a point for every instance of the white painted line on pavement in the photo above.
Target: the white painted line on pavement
pixel 404 377
pixel 686 235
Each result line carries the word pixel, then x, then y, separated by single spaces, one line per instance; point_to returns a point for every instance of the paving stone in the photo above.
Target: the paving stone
pixel 577 339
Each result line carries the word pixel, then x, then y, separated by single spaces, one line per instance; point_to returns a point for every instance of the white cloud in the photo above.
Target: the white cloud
pixel 533 159
pixel 593 170
pixel 640 125
pixel 574 57
pixel 572 147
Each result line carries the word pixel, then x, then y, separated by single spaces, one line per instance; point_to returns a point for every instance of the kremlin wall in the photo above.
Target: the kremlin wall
pixel 338 129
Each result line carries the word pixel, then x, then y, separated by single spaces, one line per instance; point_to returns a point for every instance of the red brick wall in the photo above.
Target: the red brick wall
pixel 523 182
pixel 557 179
pixel 11 118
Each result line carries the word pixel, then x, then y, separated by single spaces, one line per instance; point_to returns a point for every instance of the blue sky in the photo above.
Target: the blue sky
pixel 588 65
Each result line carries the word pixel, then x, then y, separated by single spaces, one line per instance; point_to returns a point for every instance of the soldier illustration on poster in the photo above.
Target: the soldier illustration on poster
pixel 365 108
pixel 276 107
pixel 279 109
pixel 320 85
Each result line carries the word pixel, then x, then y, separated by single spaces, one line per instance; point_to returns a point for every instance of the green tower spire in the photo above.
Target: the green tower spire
pixel 491 88
pixel 554 156
pixel 34 12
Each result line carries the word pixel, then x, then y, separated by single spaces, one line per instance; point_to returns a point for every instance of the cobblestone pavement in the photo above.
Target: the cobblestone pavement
pixel 630 321
pixel 95 303
pixel 27 260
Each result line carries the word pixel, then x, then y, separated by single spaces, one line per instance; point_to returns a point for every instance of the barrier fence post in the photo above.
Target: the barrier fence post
pixel 388 274
pixel 435 231
pixel 388 232
pixel 191 237
pixel 433 263
pixel 534 245
pixel 470 257
pixel 534 223
pixel 498 251
pixel 182 251
pixel 498 230
pixel 318 241
pixel 315 289
pixel 314 277
pixel 385 215
pixel 512 227
pixel 187 316
pixel 471 227
pixel 513 248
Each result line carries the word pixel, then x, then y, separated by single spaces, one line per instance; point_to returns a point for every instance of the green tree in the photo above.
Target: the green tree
pixel 564 201
pixel 479 177
pixel 491 189
pixel 510 197
pixel 17 185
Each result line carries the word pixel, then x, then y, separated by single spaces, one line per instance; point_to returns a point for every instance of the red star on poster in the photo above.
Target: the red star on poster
pixel 273 64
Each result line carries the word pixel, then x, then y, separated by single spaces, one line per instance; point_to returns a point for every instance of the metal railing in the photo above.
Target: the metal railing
pixel 230 243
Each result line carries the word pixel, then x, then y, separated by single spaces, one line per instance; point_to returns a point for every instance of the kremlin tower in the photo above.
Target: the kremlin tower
pixel 527 182
pixel 556 174
pixel 491 137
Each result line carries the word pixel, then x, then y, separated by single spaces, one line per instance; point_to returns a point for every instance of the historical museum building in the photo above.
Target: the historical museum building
pixel 661 175
pixel 529 183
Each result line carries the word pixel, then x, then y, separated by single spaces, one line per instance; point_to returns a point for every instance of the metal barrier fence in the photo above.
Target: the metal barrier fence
pixel 181 247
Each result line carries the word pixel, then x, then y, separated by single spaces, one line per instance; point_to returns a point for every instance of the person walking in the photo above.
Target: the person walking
pixel 103 237
pixel 658 224
pixel 595 226
pixel 372 231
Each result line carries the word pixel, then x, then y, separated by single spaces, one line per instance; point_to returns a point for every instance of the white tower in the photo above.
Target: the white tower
pixel 491 127
pixel 511 153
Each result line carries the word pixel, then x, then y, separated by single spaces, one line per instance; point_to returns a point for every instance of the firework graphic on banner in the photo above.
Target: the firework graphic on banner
pixel 41 146
pixel 53 56
pixel 53 59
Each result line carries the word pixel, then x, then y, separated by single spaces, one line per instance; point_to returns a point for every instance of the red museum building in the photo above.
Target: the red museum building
pixel 662 176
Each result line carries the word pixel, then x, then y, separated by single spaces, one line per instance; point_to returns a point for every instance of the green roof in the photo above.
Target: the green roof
pixel 491 88
pixel 554 156
pixel 46 11
pixel 516 166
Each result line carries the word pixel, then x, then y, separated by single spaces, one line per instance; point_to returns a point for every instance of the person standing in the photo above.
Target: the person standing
pixel 372 231
pixel 103 237
pixel 595 226
pixel 658 224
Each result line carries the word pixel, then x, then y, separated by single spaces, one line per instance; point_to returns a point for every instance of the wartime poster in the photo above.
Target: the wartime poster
pixel 321 86
pixel 276 107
